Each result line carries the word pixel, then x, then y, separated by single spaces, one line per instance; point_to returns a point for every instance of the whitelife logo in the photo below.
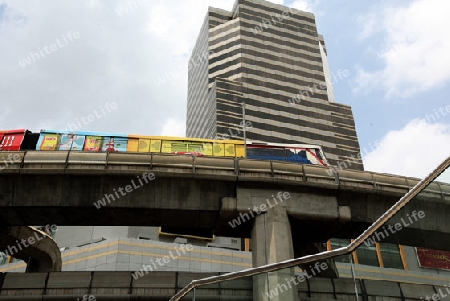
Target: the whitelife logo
pixel 243 217
pixel 107 108
pixel 310 91
pixel 11 250
pixel 49 49
pixel 271 22
pixel 162 261
pixel 110 197
pixel 131 5
pixel 378 236
pixel 319 267
pixel 10 160
pixel 437 297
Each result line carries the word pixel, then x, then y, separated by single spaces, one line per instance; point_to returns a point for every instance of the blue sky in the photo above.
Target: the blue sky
pixel 2 9
pixel 395 52
pixel 136 56
pixel 376 112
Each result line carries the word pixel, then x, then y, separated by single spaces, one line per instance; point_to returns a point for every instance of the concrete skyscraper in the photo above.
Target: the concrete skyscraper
pixel 272 58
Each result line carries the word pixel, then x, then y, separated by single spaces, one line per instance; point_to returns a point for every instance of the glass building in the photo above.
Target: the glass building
pixel 272 58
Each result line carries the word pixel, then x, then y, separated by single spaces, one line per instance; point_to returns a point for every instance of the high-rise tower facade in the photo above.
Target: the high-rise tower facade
pixel 272 58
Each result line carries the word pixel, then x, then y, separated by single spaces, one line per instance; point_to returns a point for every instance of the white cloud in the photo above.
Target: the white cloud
pixel 413 151
pixel 117 59
pixel 304 5
pixel 414 51
pixel 278 2
pixel 174 127
pixel 368 23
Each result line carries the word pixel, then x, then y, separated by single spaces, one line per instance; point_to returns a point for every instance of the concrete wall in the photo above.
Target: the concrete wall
pixel 162 285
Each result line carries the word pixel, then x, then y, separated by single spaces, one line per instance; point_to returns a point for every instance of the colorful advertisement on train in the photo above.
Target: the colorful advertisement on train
pixel 71 142
pixel 87 141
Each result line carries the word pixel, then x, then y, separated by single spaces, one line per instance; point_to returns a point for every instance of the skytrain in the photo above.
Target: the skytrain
pixel 52 140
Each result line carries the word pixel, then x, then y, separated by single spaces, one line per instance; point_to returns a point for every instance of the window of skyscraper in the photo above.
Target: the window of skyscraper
pixel 391 257
pixel 336 243
pixel 367 255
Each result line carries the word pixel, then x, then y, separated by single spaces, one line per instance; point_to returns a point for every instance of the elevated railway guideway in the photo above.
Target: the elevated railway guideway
pixel 206 193
pixel 61 187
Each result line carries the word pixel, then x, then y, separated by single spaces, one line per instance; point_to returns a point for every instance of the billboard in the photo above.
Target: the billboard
pixel 435 259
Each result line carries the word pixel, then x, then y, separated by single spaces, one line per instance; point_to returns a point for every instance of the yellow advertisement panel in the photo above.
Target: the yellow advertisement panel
pixel 179 146
pixel 208 149
pixel 144 145
pixel 93 143
pixel 166 146
pixel 240 151
pixel 155 146
pixel 195 147
pixel 229 150
pixel 133 144
pixel 50 142
pixel 219 149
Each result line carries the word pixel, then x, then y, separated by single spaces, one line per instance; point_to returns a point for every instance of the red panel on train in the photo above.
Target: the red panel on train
pixel 11 140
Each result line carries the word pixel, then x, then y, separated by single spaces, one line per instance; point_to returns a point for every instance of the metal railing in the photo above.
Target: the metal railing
pixel 323 255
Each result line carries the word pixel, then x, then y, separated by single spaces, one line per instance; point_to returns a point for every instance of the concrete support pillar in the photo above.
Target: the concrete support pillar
pixel 39 251
pixel 272 242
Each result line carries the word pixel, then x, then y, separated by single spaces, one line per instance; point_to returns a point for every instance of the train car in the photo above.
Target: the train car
pixel 114 142
pixel 295 153
pixel 81 141
pixel 14 140
pixel 180 145
pixel 11 140
pixel 48 140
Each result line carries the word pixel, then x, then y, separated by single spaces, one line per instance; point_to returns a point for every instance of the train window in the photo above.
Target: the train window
pixel 302 153
pixel 253 152
pixel 391 256
pixel 367 255
pixel 273 152
pixel 290 152
pixel 336 243
pixel 318 154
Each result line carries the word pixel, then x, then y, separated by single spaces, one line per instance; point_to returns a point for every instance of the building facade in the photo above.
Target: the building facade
pixel 101 248
pixel 272 58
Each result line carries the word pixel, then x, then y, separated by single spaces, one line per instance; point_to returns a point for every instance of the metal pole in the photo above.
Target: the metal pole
pixel 353 274
pixel 244 128
pixel 193 295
